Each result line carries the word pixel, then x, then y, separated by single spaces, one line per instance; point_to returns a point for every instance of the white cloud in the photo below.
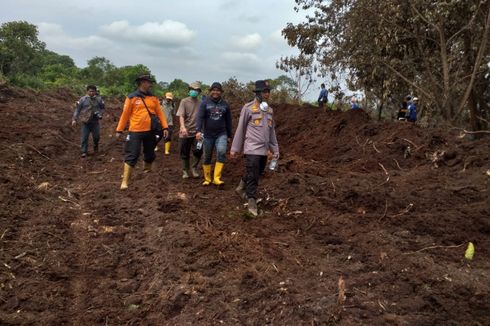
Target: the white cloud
pixel 166 33
pixel 241 58
pixel 56 39
pixel 247 42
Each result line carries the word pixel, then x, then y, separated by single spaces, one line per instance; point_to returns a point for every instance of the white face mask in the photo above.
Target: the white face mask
pixel 264 106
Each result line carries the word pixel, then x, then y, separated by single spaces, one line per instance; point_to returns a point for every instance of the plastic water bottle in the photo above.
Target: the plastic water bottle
pixel 199 144
pixel 273 164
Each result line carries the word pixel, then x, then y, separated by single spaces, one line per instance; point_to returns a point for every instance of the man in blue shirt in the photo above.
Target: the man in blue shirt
pixel 412 110
pixel 353 104
pixel 323 98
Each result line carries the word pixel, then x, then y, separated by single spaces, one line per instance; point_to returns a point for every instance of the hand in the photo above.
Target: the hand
pixel 198 135
pixel 73 123
pixel 233 155
pixel 183 132
pixel 165 134
pixel 118 135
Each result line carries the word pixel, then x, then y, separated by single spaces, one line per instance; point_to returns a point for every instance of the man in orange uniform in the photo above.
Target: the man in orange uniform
pixel 138 109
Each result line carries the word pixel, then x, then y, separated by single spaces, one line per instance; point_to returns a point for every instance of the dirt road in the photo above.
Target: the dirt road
pixel 388 208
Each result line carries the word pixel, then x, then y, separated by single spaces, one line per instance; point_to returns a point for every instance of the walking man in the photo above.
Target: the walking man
pixel 411 114
pixel 402 112
pixel 88 112
pixel 256 136
pixel 214 125
pixel 187 114
pixel 140 108
pixel 168 107
pixel 323 97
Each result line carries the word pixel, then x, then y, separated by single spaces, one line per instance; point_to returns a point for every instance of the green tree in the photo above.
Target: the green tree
pixel 435 49
pixel 20 50
pixel 179 88
pixel 301 71
pixel 237 92
pixel 285 90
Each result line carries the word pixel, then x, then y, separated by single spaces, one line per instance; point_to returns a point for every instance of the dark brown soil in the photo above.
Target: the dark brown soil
pixel 386 207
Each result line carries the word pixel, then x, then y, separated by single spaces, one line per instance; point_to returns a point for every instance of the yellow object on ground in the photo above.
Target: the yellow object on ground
pixel 218 168
pixel 207 174
pixel 128 169
pixel 167 148
pixel 470 251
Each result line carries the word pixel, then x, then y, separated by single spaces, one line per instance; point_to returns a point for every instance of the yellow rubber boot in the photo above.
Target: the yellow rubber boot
pixel 128 169
pixel 167 148
pixel 218 168
pixel 147 167
pixel 207 174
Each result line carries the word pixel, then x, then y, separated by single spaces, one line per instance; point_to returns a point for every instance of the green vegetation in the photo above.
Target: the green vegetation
pixel 25 62
pixel 436 50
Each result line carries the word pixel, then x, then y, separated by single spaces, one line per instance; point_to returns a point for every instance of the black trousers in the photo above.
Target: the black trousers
pixel 255 167
pixel 186 145
pixel 134 141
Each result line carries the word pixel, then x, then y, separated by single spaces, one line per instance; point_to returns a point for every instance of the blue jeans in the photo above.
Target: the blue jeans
pixel 87 128
pixel 220 143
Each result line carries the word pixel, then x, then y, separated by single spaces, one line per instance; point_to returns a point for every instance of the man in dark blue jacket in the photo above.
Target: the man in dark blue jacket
pixel 411 114
pixel 323 97
pixel 214 125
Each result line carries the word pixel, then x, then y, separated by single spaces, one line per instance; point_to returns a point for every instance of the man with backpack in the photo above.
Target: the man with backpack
pixel 89 110
pixel 147 126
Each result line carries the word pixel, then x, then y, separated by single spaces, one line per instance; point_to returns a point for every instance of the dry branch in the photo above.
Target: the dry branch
pixel 341 297
pixel 433 247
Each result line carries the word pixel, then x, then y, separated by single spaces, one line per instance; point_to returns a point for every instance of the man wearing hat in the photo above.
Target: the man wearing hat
pixel 187 114
pixel 168 108
pixel 256 136
pixel 139 109
pixel 214 125
pixel 88 112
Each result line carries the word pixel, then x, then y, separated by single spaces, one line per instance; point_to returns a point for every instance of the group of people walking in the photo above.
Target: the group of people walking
pixel 205 128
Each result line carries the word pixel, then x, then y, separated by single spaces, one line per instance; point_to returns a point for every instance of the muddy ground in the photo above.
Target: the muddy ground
pixel 364 223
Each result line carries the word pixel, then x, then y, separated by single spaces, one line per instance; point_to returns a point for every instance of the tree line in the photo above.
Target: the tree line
pixel 25 62
pixel 438 50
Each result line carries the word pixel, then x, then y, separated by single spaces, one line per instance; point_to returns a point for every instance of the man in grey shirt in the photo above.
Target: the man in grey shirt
pixel 88 112
pixel 256 136
pixel 187 114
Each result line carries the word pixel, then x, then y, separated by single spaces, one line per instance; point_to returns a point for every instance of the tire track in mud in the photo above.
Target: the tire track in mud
pixel 92 293
pixel 78 283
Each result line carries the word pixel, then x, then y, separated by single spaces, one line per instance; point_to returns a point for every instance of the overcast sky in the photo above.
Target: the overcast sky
pixel 191 40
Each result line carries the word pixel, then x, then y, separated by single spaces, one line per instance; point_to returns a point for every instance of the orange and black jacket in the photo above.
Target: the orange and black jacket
pixel 135 113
